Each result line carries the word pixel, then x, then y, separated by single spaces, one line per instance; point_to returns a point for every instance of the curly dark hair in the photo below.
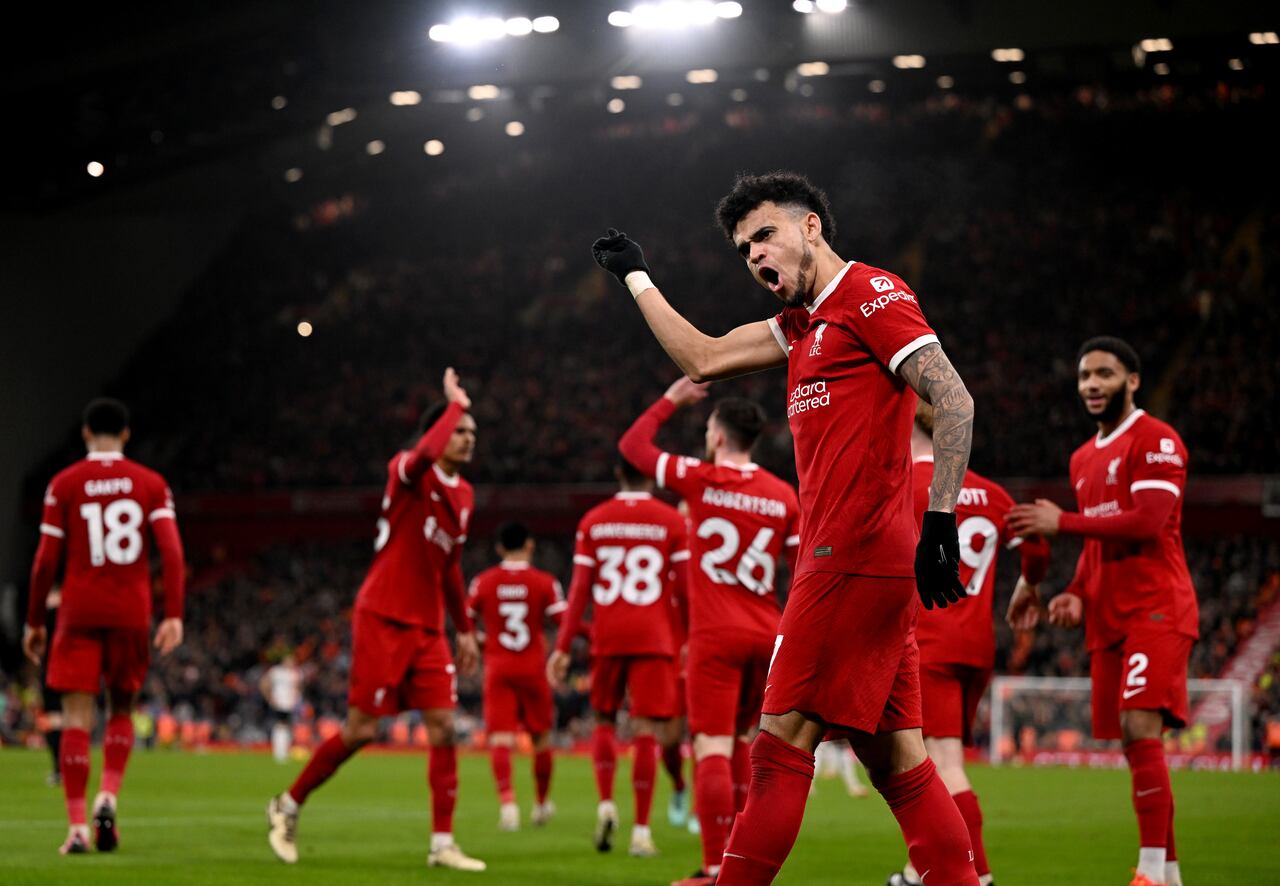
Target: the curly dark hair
pixel 782 188
pixel 1117 347
pixel 106 415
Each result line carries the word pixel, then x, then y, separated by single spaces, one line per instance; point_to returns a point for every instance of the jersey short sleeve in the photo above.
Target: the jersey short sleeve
pixel 885 315
pixel 53 518
pixel 680 474
pixel 556 602
pixel 1158 460
pixel 787 326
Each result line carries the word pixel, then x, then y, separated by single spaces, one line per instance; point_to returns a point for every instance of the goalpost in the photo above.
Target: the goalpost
pixel 1046 720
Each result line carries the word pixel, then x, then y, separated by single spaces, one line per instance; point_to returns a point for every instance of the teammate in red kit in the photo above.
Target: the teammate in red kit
pixel 742 520
pixel 856 345
pixel 104 513
pixel 400 656
pixel 627 552
pixel 513 600
pixel 1132 583
pixel 958 650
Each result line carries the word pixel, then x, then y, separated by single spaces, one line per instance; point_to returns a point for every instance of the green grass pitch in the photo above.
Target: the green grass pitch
pixel 192 818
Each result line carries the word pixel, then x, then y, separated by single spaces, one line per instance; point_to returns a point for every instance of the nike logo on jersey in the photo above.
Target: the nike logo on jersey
pixel 1130 693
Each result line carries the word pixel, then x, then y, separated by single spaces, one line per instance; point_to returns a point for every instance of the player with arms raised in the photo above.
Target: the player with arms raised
pixel 742 519
pixel 1132 583
pixel 958 650
pixel 104 514
pixel 513 600
pixel 631 562
pixel 856 345
pixel 400 656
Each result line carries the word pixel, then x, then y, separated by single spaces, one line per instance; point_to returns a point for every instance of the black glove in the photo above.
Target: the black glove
pixel 938 561
pixel 618 255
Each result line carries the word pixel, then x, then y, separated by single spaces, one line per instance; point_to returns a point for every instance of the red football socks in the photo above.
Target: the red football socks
pixel 442 775
pixel 935 833
pixel 673 762
pixel 500 760
pixel 967 803
pixel 542 773
pixel 1152 796
pixel 766 829
pixel 75 773
pixel 741 773
pixel 117 742
pixel 644 770
pixel 604 759
pixel 320 768
pixel 713 792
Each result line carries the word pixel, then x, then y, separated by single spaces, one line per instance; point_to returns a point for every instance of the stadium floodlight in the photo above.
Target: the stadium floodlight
pixel 1010 54
pixel 279 103
pixel 402 98
pixel 702 75
pixel 674 14
pixel 616 106
pixel 546 24
pixel 626 81
pixel 337 118
pixel 304 328
pixel 469 30
pixel 515 129
pixel 803 6
pixel 813 69
pixel 831 6
pixel 483 92
pixel 518 26
pixel 905 62
pixel 375 147
pixel 1264 38
pixel 1156 44
pixel 292 175
pixel 95 169
pixel 433 147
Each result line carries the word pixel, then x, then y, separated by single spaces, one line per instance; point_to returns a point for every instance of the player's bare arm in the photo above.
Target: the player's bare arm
pixel 932 376
pixel 1066 610
pixel 685 392
pixel 746 349
pixel 1024 608
pixel 168 635
pixel 34 641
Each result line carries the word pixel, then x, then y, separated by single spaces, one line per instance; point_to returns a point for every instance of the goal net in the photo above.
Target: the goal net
pixel 1046 721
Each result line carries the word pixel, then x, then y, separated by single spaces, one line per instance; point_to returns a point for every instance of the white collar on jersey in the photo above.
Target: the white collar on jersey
pixel 514 564
pixel 633 496
pixel 445 478
pixel 104 456
pixel 923 458
pixel 1101 441
pixel 745 466
pixel 831 287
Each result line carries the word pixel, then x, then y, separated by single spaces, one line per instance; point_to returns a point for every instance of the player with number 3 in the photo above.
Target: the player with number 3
pixel 631 563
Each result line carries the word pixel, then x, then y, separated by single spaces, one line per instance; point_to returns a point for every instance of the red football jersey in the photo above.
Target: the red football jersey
pixel 104 508
pixel 513 600
pixel 851 417
pixel 1127 583
pixel 740 519
pixel 623 561
pixel 965 634
pixel 420 537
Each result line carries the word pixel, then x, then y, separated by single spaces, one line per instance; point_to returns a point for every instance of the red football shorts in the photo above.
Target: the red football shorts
pixel 398 667
pixel 951 693
pixel 513 700
pixel 1146 672
pixel 82 659
pixel 726 681
pixel 649 680
pixel 846 653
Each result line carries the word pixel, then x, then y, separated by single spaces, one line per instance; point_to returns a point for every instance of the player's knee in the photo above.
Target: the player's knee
pixel 440 729
pixel 541 741
pixel 502 739
pixel 795 729
pixel 712 746
pixel 643 726
pixel 1141 725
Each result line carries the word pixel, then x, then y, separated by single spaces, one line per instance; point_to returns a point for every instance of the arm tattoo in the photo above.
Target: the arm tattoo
pixel 932 376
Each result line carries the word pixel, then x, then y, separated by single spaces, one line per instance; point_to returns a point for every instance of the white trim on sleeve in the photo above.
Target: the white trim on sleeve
pixel 680 556
pixel 1015 542
pixel 404 478
pixel 792 541
pixel 50 529
pixel 1139 485
pixel 162 514
pixel 907 350
pixel 779 337
pixel 557 607
pixel 661 473
pixel 583 560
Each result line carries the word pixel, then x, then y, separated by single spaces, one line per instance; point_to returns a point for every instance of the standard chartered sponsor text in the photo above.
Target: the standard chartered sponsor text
pixel 808 397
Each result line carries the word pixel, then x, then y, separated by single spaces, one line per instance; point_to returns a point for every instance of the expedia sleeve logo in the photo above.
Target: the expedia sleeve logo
pixel 881 284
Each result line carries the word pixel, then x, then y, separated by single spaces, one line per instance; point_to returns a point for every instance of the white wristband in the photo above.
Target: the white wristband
pixel 638 282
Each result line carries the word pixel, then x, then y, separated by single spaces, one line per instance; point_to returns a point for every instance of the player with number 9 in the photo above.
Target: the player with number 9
pixel 743 519
pixel 957 649
pixel 631 563
pixel 512 601
pixel 101 517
